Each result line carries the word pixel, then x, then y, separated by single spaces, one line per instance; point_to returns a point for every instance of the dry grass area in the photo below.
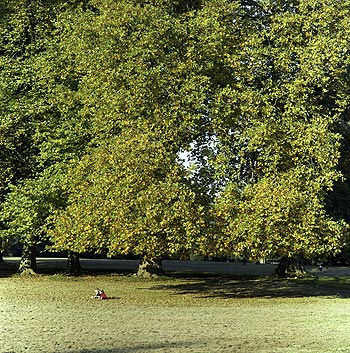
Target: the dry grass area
pixel 203 314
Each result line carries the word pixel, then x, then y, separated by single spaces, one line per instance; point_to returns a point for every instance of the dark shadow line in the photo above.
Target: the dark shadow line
pixel 138 348
pixel 226 287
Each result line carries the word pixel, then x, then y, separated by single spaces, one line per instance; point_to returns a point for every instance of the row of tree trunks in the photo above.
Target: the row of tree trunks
pixel 288 268
pixel 28 265
pixel 150 267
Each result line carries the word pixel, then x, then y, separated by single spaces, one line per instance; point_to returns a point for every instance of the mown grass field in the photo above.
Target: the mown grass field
pixel 180 314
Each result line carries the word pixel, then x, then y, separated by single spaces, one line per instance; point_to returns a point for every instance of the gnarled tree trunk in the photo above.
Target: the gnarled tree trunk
pixel 73 266
pixel 2 249
pixel 27 264
pixel 290 267
pixel 150 268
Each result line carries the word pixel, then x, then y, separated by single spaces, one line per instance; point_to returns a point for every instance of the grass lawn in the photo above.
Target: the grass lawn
pixel 54 313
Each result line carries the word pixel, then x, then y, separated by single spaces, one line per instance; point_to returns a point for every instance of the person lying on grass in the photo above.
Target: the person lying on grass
pixel 99 294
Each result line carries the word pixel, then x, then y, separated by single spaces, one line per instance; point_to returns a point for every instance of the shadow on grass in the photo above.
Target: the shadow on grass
pixel 8 269
pixel 226 287
pixel 88 272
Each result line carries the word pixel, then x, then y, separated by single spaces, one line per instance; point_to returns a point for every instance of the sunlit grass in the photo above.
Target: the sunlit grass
pixel 55 313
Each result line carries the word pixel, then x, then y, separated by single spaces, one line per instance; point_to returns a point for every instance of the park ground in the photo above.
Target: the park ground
pixel 198 307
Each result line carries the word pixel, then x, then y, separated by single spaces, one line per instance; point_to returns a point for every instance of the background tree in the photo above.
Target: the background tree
pixel 23 31
pixel 38 127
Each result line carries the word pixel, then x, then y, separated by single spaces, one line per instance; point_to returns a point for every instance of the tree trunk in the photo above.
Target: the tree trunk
pixel 73 264
pixel 27 264
pixel 2 250
pixel 150 268
pixel 290 267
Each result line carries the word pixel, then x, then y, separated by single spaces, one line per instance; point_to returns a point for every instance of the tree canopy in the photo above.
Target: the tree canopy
pixel 100 98
pixel 283 139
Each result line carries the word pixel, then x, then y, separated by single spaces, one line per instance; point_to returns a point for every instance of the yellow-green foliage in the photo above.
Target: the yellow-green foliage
pixel 99 98
pixel 280 131
pixel 129 197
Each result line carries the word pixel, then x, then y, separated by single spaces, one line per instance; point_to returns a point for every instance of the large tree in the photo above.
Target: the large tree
pixel 129 197
pixel 99 98
pixel 281 134
pixel 144 102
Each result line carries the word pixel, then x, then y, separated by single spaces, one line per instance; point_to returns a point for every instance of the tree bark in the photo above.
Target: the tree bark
pixel 73 266
pixel 290 267
pixel 150 268
pixel 27 264
pixel 2 250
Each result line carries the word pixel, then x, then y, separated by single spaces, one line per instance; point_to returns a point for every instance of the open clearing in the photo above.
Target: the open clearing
pixel 201 313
